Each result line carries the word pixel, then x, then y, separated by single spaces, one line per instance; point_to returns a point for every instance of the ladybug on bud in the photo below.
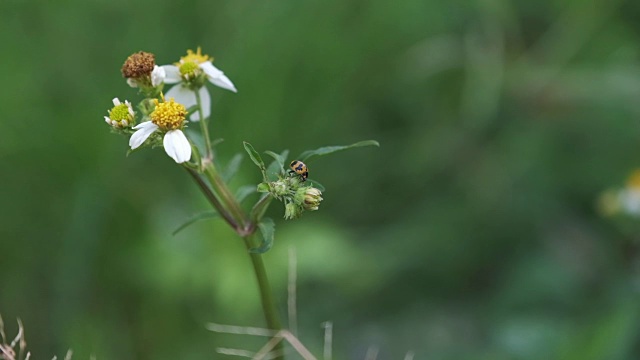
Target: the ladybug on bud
pixel 299 168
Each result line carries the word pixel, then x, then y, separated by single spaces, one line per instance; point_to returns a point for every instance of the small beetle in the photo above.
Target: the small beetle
pixel 298 167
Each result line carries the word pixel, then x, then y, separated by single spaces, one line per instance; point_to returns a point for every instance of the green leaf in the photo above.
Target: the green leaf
pixel 232 167
pixel 245 191
pixel 267 229
pixel 201 216
pixel 263 187
pixel 192 109
pixel 255 157
pixel 217 141
pixel 331 149
pixel 277 166
pixel 316 184
pixel 253 154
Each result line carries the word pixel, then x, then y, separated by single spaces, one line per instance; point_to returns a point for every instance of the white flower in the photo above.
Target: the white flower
pixel 157 75
pixel 175 142
pixel 187 97
pixel 121 115
pixel 168 117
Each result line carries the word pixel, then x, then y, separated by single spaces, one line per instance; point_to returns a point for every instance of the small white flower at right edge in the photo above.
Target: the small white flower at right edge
pixel 190 73
pixel 168 117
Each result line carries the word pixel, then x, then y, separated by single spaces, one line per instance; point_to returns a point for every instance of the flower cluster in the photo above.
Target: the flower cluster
pixel 294 193
pixel 163 117
pixel 625 201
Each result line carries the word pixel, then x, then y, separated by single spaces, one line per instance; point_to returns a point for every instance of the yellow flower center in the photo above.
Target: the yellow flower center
pixel 119 113
pixel 634 180
pixel 196 57
pixel 189 69
pixel 168 115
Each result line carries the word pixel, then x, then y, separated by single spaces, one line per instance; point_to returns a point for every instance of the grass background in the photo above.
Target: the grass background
pixel 470 234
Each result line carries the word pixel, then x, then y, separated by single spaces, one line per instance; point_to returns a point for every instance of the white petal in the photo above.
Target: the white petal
pixel 132 83
pixel 217 77
pixel 145 129
pixel 181 94
pixel 172 74
pixel 106 118
pixel 205 98
pixel 116 101
pixel 157 75
pixel 177 146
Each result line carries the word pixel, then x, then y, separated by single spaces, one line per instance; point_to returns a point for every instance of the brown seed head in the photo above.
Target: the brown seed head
pixel 138 65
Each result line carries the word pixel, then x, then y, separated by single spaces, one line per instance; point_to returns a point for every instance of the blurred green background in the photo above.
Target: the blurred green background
pixel 471 233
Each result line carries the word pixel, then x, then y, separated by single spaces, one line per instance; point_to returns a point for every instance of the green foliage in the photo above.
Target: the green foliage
pixel 277 167
pixel 195 218
pixel 326 150
pixel 232 167
pixel 255 157
pixel 267 230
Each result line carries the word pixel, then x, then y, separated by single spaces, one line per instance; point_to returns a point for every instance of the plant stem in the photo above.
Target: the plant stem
pixel 212 198
pixel 227 205
pixel 228 198
pixel 205 127
pixel 268 305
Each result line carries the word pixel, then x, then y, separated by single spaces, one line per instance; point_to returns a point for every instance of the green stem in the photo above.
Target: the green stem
pixel 205 127
pixel 258 210
pixel 268 305
pixel 213 199
pixel 227 197
pixel 226 203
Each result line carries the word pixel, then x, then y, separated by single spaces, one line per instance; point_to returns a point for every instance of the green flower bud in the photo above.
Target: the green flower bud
pixel 309 198
pixel 279 188
pixel 292 211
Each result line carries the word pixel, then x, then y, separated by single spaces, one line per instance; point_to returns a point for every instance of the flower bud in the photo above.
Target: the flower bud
pixel 279 188
pixel 292 211
pixel 309 198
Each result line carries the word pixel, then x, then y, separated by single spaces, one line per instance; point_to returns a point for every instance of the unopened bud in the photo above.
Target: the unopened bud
pixel 309 198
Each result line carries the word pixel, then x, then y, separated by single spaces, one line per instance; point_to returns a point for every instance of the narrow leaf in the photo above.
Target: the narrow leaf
pixel 253 154
pixel 331 149
pixel 267 229
pixel 245 191
pixel 217 141
pixel 201 216
pixel 232 167
pixel 278 165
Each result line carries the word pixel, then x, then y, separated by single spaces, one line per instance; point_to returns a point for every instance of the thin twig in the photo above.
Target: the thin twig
pixel 291 299
pixel 235 352
pixel 328 339
pixel 297 345
pixel 19 336
pixel 4 337
pixel 241 330
pixel 8 352
pixel 372 353
pixel 23 342
pixel 260 355
pixel 247 354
